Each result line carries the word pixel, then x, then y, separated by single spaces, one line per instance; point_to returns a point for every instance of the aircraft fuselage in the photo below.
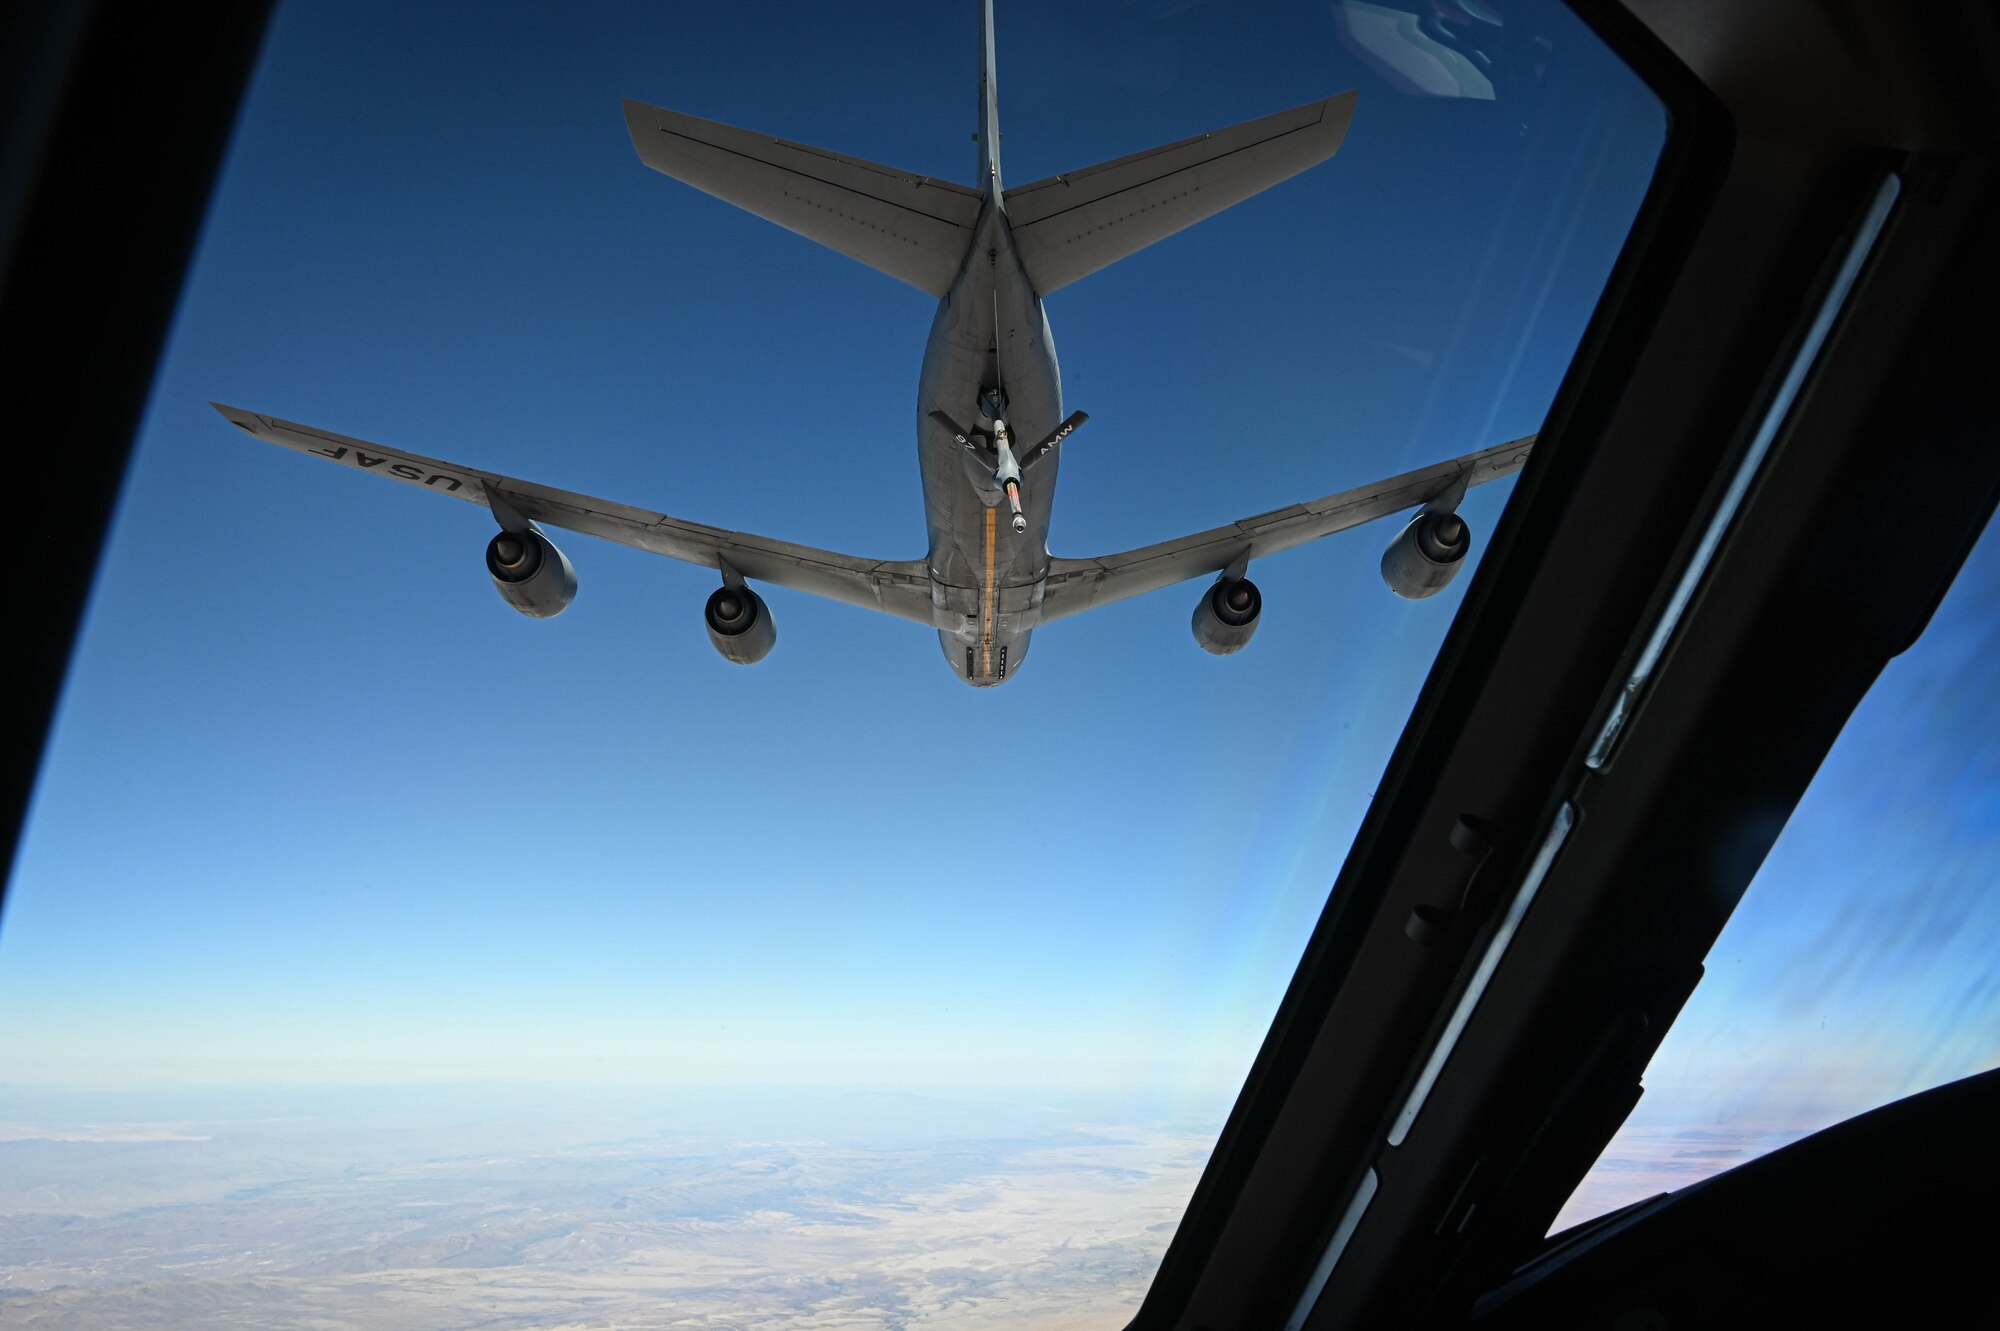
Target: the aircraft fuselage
pixel 990 339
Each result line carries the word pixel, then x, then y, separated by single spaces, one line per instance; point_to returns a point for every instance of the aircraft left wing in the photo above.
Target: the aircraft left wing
pixel 897 587
pixel 1076 585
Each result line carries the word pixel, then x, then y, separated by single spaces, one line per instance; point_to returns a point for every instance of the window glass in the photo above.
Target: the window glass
pixel 1863 963
pixel 376 956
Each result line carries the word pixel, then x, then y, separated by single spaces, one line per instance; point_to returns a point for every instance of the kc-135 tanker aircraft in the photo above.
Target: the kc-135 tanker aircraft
pixel 990 420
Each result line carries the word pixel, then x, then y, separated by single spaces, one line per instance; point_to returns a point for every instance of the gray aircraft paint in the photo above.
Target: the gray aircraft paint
pixel 989 254
pixel 990 333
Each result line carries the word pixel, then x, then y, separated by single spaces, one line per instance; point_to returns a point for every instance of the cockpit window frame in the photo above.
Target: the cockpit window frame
pixel 1312 1121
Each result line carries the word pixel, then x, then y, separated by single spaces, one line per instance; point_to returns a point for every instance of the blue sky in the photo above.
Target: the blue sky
pixel 1863 963
pixel 319 809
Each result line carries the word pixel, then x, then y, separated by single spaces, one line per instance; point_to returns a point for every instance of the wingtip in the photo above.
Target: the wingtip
pixel 245 421
pixel 641 120
pixel 1336 115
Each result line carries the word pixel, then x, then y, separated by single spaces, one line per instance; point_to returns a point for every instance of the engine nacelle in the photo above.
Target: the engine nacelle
pixel 1426 555
pixel 740 625
pixel 1226 615
pixel 531 574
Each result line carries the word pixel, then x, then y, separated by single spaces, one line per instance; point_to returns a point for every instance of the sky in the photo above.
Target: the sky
pixel 1863 962
pixel 320 810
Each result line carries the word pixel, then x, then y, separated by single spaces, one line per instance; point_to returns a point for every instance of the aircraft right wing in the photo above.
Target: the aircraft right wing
pixel 897 587
pixel 1077 585
pixel 914 228
pixel 1071 225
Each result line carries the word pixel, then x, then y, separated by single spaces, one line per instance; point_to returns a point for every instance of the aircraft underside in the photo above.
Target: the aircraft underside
pixel 990 386
pixel 990 418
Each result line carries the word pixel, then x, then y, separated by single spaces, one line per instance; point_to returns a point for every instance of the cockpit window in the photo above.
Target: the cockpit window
pixel 378 955
pixel 1863 963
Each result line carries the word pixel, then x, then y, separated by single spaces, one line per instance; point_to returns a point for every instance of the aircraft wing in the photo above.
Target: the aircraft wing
pixel 1076 585
pixel 1071 225
pixel 914 228
pixel 897 587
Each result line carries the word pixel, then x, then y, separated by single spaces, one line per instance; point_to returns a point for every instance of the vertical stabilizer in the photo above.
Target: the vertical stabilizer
pixel 989 108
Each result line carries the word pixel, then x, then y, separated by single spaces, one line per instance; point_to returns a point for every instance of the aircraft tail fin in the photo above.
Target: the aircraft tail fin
pixel 916 229
pixel 989 106
pixel 1069 226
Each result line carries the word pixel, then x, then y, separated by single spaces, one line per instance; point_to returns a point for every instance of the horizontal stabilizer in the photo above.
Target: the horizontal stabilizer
pixel 914 228
pixel 1071 225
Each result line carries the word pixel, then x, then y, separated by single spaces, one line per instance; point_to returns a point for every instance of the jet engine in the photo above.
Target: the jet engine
pixel 531 574
pixel 1426 555
pixel 740 624
pixel 1226 615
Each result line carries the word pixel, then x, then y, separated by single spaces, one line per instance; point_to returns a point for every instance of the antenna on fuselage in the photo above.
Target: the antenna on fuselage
pixel 999 368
